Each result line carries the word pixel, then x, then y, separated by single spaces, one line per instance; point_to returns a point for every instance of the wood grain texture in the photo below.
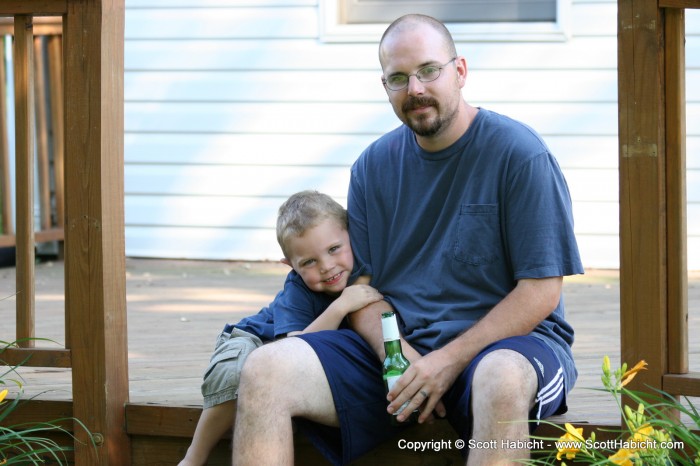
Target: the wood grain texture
pixel 94 243
pixel 25 125
pixel 643 240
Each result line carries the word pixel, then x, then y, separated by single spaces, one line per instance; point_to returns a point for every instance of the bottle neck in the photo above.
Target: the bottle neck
pixel 392 347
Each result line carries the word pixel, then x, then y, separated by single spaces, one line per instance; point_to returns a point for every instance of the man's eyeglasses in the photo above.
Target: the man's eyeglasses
pixel 399 81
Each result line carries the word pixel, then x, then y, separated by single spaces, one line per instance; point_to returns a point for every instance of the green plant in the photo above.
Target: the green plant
pixel 28 443
pixel 651 434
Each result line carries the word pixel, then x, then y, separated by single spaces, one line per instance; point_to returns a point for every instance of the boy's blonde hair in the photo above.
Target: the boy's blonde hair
pixel 304 210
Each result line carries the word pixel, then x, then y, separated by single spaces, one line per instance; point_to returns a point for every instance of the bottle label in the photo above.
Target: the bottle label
pixel 390 381
pixel 390 328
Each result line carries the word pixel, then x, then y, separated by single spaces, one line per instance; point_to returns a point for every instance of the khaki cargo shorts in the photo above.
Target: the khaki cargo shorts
pixel 223 375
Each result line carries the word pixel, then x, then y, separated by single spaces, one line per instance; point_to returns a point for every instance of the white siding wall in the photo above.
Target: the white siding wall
pixel 232 105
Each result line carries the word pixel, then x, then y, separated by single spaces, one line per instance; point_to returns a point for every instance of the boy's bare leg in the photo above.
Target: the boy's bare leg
pixel 503 392
pixel 279 380
pixel 212 425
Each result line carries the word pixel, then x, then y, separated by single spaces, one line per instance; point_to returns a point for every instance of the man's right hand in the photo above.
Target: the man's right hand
pixel 423 385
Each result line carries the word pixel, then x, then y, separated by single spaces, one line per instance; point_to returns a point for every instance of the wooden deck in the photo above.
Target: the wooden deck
pixel 177 308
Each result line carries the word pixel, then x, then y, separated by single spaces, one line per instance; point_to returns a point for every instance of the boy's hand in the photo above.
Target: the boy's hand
pixel 356 297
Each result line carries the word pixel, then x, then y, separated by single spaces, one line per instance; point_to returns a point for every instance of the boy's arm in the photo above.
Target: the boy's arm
pixel 367 323
pixel 351 299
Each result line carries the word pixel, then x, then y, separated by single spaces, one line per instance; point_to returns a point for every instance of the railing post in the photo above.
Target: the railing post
pixel 93 35
pixel 643 238
pixel 674 44
pixel 42 134
pixel 653 231
pixel 24 155
pixel 6 223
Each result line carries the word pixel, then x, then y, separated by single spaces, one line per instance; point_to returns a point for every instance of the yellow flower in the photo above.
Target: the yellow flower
pixel 3 394
pixel 635 419
pixel 574 433
pixel 623 457
pixel 570 443
pixel 642 437
pixel 644 432
pixel 606 366
pixel 629 375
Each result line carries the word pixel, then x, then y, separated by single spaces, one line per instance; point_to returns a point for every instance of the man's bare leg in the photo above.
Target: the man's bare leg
pixel 503 392
pixel 279 380
pixel 212 425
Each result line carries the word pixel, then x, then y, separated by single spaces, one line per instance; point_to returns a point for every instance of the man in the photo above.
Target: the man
pixel 462 219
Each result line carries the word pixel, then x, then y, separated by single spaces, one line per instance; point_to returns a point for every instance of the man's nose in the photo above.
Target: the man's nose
pixel 415 86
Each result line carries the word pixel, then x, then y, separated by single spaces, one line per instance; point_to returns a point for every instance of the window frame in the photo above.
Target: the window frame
pixel 332 30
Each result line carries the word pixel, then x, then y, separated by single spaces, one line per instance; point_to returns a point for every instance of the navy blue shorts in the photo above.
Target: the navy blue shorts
pixel 355 377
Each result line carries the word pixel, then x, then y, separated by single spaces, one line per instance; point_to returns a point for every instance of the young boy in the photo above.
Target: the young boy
pixel 312 232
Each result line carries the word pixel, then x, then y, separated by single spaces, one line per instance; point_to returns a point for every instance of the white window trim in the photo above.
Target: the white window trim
pixel 558 31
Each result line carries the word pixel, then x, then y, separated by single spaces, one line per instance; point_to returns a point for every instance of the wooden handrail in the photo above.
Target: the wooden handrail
pixel 679 3
pixel 33 7
pixel 44 236
pixel 682 384
pixel 43 25
pixel 36 357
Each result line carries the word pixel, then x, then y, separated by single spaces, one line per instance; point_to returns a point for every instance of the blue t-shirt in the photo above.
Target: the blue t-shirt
pixel 446 235
pixel 293 309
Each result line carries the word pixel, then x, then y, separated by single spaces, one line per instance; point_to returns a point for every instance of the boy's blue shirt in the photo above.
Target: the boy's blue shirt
pixel 293 309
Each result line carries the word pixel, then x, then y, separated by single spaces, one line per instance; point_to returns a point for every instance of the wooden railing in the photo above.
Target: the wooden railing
pixel 39 58
pixel 653 230
pixel 88 135
pixel 48 114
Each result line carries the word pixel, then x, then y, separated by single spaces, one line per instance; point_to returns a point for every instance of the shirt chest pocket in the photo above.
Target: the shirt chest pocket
pixel 478 237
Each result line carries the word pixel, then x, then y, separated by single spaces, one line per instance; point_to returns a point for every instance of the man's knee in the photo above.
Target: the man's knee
pixel 264 366
pixel 504 377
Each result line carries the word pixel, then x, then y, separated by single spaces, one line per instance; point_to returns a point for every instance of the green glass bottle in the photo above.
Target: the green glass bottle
pixel 395 363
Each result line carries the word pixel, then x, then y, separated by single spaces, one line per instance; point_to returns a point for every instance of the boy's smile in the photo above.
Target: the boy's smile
pixel 334 279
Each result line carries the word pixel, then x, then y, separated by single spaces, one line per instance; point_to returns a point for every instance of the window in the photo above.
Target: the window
pixel 468 20
pixel 453 11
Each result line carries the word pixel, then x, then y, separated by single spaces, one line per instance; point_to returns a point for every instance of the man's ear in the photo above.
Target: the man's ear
pixel 462 69
pixel 284 260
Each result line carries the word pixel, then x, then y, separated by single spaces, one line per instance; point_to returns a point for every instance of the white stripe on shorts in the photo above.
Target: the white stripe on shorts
pixel 550 392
